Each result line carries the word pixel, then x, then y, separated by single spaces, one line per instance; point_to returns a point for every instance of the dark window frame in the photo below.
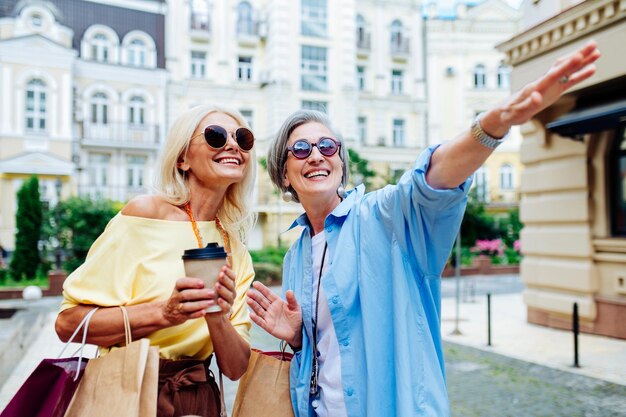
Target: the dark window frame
pixel 616 155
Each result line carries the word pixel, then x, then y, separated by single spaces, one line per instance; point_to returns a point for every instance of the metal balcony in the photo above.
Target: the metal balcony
pixel 124 135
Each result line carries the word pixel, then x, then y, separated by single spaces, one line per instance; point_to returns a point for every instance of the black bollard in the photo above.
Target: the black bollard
pixel 576 329
pixel 488 319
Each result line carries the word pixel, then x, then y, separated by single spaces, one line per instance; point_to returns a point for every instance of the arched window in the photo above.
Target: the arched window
pixel 480 76
pixel 245 21
pixel 503 76
pixel 137 111
pixel 506 177
pixel 618 183
pixel 396 36
pixel 99 109
pixel 100 48
pixel 137 53
pixel 35 109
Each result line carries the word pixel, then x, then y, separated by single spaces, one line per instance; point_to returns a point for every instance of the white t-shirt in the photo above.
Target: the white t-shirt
pixel 331 402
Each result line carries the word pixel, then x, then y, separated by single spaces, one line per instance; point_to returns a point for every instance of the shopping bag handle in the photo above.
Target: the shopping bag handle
pixel 84 324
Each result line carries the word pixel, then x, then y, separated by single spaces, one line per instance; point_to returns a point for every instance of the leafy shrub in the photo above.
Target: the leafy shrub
pixel 272 255
pixel 268 273
pixel 82 220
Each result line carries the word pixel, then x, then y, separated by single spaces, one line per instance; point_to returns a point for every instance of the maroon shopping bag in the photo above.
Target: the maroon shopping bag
pixel 48 390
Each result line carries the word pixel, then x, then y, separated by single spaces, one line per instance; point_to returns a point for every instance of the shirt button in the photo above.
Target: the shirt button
pixel 335 300
pixel 345 342
pixel 349 392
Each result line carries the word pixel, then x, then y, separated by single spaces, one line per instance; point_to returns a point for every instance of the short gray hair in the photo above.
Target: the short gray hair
pixel 277 154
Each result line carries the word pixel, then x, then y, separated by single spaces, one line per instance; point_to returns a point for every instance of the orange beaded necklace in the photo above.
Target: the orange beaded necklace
pixel 218 223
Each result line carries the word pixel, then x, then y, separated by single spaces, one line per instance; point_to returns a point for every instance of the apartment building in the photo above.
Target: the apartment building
pixel 83 99
pixel 466 76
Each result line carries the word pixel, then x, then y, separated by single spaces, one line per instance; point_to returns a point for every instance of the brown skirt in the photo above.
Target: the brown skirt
pixel 187 387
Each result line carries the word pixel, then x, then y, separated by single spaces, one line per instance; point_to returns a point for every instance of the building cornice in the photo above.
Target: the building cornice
pixel 569 25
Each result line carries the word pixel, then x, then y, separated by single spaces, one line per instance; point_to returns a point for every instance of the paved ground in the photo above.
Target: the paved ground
pixel 526 372
pixel 482 384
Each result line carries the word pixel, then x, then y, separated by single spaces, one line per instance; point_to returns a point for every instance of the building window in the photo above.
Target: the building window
pixel 99 169
pixel 506 177
pixel 480 76
pixel 36 20
pixel 245 19
pixel 481 184
pixel 244 69
pixel 100 47
pixel 314 68
pixel 313 15
pixel 137 111
pixel 315 105
pixel 198 64
pixel 200 16
pixel 100 109
pixel 398 132
pixel 362 129
pixel 504 77
pixel 362 37
pixel 137 53
pixel 397 37
pixel 135 171
pixel 360 78
pixel 35 109
pixel 618 183
pixel 396 82
pixel 248 115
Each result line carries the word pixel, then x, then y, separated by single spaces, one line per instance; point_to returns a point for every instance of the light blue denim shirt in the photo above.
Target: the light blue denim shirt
pixel 386 250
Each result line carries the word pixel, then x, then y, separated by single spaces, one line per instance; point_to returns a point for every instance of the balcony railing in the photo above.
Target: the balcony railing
pixel 122 134
pixel 109 192
pixel 200 21
pixel 400 46
pixel 363 41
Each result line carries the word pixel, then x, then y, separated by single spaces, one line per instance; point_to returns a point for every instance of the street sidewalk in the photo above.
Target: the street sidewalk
pixel 599 357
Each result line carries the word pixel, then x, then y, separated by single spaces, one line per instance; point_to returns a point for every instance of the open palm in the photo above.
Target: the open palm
pixel 282 319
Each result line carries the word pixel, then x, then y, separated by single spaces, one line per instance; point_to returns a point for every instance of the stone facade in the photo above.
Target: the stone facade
pixel 573 196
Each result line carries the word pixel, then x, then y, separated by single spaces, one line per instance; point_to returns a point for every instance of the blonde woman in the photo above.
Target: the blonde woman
pixel 208 169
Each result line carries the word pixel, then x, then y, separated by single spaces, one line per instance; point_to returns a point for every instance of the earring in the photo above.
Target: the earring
pixel 287 196
pixel 341 192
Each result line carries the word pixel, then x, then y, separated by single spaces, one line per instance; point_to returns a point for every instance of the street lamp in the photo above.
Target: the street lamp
pixel 57 254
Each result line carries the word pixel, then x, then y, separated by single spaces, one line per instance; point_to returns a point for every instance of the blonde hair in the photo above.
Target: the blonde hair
pixel 172 183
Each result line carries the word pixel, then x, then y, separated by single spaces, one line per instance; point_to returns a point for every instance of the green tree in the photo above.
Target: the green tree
pixel 360 169
pixel 28 221
pixel 477 223
pixel 82 220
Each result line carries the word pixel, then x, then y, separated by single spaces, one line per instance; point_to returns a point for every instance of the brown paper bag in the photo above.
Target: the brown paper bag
pixel 123 383
pixel 264 388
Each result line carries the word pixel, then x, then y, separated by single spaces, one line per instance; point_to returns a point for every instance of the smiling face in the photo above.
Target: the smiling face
pixel 214 167
pixel 316 177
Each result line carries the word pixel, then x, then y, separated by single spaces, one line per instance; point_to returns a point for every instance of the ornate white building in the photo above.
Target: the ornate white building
pixel 89 88
pixel 467 75
pixel 83 99
pixel 361 61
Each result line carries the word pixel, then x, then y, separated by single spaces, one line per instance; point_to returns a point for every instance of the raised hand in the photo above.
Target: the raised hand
pixel 282 319
pixel 565 73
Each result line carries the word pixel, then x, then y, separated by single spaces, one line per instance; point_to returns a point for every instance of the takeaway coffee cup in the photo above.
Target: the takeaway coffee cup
pixel 205 263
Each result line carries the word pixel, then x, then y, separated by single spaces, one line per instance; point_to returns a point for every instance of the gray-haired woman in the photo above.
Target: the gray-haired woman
pixel 361 284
